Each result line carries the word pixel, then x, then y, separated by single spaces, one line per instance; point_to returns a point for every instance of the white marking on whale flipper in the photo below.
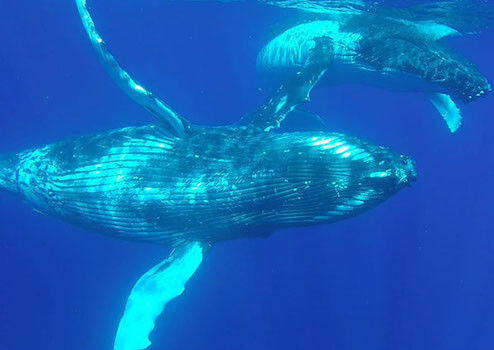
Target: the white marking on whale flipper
pixel 448 110
pixel 135 91
pixel 152 292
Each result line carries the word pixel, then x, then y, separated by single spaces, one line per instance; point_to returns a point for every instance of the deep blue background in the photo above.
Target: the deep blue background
pixel 415 273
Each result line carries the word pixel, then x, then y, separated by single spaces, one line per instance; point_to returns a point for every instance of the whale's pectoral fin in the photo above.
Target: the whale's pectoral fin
pixel 297 89
pixel 293 93
pixel 152 292
pixel 448 110
pixel 177 125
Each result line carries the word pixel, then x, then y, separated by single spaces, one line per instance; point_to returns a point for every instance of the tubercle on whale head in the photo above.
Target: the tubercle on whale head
pixel 475 90
pixel 465 82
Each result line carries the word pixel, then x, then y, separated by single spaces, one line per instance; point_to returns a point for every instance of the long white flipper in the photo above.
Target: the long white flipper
pixel 152 292
pixel 447 108
pixel 138 93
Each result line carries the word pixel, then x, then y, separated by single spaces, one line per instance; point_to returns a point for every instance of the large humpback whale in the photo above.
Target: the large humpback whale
pixel 395 49
pixel 188 186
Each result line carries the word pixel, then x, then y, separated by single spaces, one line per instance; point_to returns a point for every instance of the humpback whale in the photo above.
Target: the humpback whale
pixel 387 48
pixel 188 186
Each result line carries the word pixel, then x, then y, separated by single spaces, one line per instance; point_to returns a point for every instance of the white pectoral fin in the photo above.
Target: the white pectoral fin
pixel 448 109
pixel 152 292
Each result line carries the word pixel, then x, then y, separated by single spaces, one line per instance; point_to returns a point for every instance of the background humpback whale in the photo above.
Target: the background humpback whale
pixel 189 186
pixel 396 49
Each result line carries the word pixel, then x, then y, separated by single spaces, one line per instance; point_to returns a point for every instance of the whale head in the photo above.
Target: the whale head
pixel 373 174
pixel 463 80
pixel 437 64
pixel 343 176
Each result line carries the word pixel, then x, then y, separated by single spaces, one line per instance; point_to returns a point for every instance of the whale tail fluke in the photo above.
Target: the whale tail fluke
pixel 7 173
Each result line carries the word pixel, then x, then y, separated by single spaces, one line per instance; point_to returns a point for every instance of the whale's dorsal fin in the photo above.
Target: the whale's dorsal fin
pixel 297 89
pixel 171 119
pixel 153 291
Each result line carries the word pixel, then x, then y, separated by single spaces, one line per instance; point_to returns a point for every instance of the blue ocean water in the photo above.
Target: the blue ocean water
pixel 414 273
